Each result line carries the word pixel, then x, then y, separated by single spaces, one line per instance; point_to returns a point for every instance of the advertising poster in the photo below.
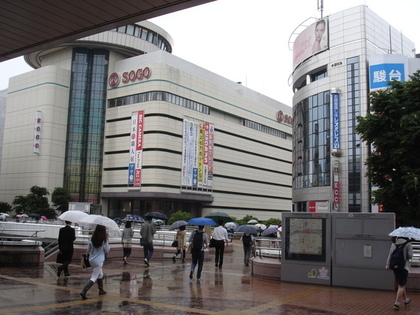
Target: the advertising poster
pixel 197 154
pixel 136 149
pixel 311 41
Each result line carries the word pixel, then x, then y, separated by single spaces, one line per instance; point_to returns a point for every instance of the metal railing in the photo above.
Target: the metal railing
pixel 267 247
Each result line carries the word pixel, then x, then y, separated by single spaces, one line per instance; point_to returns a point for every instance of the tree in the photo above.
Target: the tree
pixel 60 199
pixel 35 202
pixel 179 215
pixel 5 207
pixel 393 129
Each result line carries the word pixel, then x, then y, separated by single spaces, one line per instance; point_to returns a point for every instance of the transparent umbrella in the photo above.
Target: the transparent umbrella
pixel 72 216
pixel 177 224
pixel 101 220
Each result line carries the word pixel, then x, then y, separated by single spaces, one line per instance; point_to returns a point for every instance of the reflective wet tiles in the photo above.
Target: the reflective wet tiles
pixel 165 288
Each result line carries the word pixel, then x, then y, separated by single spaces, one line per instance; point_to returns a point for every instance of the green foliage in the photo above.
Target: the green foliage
pixel 179 215
pixel 393 129
pixel 5 207
pixel 35 202
pixel 60 199
pixel 272 221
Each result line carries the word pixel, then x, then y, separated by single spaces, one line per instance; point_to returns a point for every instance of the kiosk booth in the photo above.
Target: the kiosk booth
pixel 342 249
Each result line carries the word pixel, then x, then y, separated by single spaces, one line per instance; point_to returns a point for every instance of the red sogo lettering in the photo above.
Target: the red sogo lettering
pixel 139 74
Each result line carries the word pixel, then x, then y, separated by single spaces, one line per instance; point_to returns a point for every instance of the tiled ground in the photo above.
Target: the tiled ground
pixel 164 288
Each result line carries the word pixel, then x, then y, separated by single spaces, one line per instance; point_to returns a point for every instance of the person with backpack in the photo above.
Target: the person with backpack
pixel 199 241
pixel 247 244
pixel 399 256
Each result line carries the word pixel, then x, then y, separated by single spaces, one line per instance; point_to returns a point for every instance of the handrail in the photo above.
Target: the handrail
pixel 267 247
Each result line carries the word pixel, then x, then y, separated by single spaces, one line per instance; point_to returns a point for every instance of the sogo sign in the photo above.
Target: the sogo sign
pixel 129 76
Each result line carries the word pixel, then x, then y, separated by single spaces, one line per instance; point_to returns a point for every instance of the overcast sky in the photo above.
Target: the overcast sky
pixel 248 40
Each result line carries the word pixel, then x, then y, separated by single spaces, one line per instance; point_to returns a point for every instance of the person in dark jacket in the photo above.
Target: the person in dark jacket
pixel 66 237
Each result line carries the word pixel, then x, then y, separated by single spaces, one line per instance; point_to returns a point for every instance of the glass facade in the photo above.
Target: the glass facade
pixel 353 110
pixel 311 142
pixel 85 128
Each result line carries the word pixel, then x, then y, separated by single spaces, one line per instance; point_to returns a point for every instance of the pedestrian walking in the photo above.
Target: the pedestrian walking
pixel 147 232
pixel 126 240
pixel 97 248
pixel 220 236
pixel 199 241
pixel 247 240
pixel 66 237
pixel 399 256
pixel 181 248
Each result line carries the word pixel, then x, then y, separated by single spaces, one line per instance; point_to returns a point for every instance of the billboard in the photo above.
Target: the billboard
pixel 197 155
pixel 312 40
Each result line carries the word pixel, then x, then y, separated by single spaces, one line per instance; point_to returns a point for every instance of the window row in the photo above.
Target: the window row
pixel 271 131
pixel 145 34
pixel 159 96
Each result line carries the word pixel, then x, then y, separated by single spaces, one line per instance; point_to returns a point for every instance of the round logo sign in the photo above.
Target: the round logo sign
pixel 114 80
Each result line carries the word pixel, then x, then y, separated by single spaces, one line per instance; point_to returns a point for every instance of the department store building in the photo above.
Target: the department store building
pixel 358 52
pixel 123 124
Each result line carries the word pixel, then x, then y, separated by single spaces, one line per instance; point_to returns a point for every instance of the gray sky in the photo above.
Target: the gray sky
pixel 248 40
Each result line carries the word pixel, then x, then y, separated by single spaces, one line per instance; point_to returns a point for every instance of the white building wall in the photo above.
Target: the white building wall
pixel 21 168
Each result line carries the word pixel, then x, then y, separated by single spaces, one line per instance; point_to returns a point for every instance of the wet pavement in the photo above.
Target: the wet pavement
pixel 165 288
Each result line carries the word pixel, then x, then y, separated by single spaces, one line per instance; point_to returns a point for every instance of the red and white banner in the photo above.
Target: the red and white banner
pixel 136 148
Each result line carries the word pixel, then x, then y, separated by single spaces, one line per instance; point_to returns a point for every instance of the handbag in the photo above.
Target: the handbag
pixel 85 261
pixel 189 249
pixel 175 243
pixel 212 242
pixel 142 241
pixel 126 243
pixel 60 258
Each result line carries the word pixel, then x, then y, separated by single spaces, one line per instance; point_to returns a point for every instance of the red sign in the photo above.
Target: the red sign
pixel 129 76
pixel 281 117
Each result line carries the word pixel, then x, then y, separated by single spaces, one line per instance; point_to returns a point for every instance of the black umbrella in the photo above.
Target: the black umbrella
pixel 156 215
pixel 216 216
pixel 247 229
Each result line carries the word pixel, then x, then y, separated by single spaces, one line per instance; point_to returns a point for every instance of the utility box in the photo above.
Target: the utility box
pixel 360 246
pixel 340 249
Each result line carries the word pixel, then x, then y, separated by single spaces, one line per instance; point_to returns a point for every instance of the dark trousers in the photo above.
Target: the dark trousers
pixel 179 252
pixel 220 249
pixel 68 256
pixel 197 258
pixel 126 252
pixel 148 250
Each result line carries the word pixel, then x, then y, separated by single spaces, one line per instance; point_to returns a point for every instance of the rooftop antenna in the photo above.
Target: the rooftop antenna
pixel 321 7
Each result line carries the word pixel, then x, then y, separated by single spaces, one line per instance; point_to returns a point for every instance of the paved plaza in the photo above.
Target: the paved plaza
pixel 165 288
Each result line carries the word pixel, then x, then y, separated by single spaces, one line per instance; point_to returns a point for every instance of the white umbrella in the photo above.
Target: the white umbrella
pixel 101 220
pixel 408 231
pixel 231 225
pixel 253 221
pixel 261 226
pixel 73 216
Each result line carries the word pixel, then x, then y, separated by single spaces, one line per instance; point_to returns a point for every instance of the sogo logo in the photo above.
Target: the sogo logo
pixel 281 117
pixel 129 76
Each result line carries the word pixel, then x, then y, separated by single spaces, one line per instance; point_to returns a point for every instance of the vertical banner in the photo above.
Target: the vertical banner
pixel 336 120
pixel 136 149
pixel 197 154
pixel 37 131
pixel 336 187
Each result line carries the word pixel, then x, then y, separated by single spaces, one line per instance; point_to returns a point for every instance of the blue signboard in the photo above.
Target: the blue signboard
pixel 381 74
pixel 131 168
pixel 336 120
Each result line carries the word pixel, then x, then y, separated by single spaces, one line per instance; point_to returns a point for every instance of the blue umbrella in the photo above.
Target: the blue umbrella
pixel 201 221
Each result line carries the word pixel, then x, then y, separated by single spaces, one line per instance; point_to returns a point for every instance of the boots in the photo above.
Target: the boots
pixel 85 289
pixel 101 286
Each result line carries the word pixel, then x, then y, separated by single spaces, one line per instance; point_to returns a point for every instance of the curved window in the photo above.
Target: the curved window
pixel 311 142
pixel 145 34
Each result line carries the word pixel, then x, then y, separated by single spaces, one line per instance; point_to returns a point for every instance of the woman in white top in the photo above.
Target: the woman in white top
pixel 97 248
